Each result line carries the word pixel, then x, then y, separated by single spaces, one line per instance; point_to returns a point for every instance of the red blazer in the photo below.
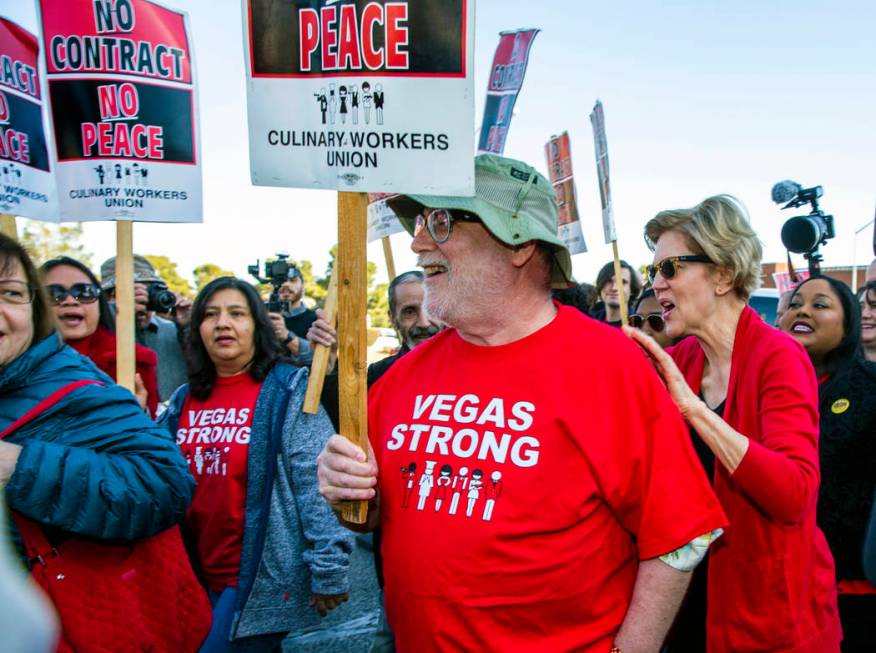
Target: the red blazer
pixel 100 347
pixel 771 575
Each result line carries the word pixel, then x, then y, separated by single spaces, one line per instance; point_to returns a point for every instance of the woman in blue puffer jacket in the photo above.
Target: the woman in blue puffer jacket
pixel 93 464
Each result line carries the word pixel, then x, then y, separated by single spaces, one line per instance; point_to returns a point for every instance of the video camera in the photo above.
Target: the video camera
pixel 277 272
pixel 804 234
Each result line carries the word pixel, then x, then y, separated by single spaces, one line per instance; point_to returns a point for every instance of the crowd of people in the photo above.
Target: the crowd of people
pixel 540 476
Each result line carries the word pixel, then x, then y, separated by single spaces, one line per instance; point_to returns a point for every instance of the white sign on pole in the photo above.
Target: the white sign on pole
pixel 600 142
pixel 361 96
pixel 123 107
pixel 382 221
pixel 26 184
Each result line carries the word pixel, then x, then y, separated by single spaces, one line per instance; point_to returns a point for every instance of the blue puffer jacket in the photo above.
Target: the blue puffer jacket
pixel 94 463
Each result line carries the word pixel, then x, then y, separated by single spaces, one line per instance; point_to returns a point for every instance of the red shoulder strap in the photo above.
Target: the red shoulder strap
pixel 45 404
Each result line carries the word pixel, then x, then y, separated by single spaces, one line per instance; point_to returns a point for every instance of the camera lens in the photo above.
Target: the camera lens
pixel 802 234
pixel 161 300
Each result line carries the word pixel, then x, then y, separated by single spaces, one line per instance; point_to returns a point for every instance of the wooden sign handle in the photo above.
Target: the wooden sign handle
pixel 619 282
pixel 321 353
pixel 352 305
pixel 125 364
pixel 387 254
pixel 8 226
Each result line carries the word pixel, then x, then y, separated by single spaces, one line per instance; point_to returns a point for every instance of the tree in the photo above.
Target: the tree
pixel 45 241
pixel 166 269
pixel 378 302
pixel 206 272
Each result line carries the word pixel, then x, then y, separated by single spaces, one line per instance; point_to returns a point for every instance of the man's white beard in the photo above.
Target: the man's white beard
pixel 471 293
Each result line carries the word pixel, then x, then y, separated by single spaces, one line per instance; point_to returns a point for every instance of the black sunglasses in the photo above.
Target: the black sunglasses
pixel 654 320
pixel 84 293
pixel 670 265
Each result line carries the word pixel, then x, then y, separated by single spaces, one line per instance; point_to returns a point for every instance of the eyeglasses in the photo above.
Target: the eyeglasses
pixel 15 292
pixel 654 320
pixel 440 221
pixel 84 293
pixel 669 266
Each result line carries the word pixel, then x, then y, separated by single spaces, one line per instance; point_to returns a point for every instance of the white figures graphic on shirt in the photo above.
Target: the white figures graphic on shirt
pixel 441 486
pixel 409 478
pixel 474 490
pixel 459 485
pixel 199 460
pixel 427 481
pixel 492 490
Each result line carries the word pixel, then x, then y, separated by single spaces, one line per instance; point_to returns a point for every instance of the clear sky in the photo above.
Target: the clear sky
pixel 701 97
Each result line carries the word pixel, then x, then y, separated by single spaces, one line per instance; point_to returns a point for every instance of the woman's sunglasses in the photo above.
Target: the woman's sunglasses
pixel 670 265
pixel 654 320
pixel 84 293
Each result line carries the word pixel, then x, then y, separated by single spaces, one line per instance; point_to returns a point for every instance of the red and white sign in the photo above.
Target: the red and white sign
pixel 26 184
pixel 361 96
pixel 558 152
pixel 123 108
pixel 506 80
pixel 784 282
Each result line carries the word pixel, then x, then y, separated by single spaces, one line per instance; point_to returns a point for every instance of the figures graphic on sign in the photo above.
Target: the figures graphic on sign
pixel 409 478
pixel 366 101
pixel 133 175
pixel 458 486
pixel 378 102
pixel 101 173
pixel 118 170
pixel 492 490
pixel 427 481
pixel 333 104
pixel 323 104
pixel 342 93
pixel 474 490
pixel 11 173
pixel 441 486
pixel 354 103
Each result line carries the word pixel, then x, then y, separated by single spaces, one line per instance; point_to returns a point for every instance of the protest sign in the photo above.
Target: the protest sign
pixel 600 142
pixel 26 184
pixel 786 281
pixel 382 222
pixel 123 110
pixel 558 152
pixel 361 96
pixel 506 79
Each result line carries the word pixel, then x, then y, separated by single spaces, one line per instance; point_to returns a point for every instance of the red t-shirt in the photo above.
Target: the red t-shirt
pixel 214 438
pixel 520 485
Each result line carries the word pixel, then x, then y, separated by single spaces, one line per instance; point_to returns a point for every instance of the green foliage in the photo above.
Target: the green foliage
pixel 166 269
pixel 206 272
pixel 45 241
pixel 378 305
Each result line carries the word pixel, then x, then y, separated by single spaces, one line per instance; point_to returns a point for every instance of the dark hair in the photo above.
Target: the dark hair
pixel 607 272
pixel 646 294
pixel 268 351
pixel 838 361
pixel 43 318
pixel 405 277
pixel 579 295
pixel 105 319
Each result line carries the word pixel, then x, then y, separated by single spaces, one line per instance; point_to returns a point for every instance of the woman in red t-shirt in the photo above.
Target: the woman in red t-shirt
pixel 85 322
pixel 824 317
pixel 269 550
pixel 749 395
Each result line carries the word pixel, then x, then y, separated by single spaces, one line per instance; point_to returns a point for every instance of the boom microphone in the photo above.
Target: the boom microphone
pixel 785 191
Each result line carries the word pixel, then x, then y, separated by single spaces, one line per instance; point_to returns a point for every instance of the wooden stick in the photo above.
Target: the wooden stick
pixel 125 365
pixel 321 353
pixel 387 254
pixel 8 226
pixel 352 306
pixel 619 282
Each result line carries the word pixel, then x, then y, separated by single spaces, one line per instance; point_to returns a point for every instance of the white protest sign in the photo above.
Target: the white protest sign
pixel 600 143
pixel 361 96
pixel 382 222
pixel 27 187
pixel 120 82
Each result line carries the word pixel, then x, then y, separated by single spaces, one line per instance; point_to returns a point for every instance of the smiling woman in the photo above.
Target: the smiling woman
pixel 86 323
pixel 825 318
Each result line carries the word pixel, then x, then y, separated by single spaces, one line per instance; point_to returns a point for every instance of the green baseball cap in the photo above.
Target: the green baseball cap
pixel 515 203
